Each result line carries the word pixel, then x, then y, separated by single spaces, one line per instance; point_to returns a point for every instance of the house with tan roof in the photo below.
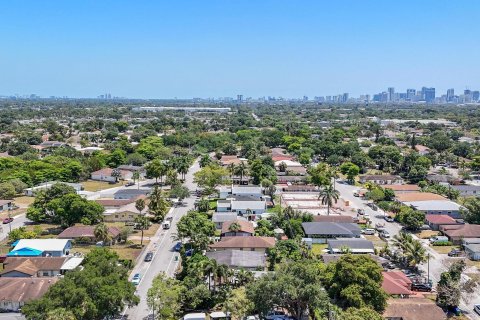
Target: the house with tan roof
pixel 32 266
pixel 105 174
pixel 435 221
pixel 419 196
pixel 456 233
pixel 18 291
pixel 422 150
pixel 413 309
pixel 87 233
pixel 245 229
pixel 244 243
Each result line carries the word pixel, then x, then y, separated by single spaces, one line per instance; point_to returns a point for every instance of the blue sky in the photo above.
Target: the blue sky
pixel 202 48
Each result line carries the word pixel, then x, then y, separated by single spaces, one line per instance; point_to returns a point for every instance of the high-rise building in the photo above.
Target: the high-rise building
pixel 411 94
pixel 467 95
pixel 239 97
pixel 476 96
pixel 450 94
pixel 428 94
pixel 391 94
pixel 345 97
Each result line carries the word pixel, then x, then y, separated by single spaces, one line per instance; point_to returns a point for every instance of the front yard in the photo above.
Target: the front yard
pixel 318 248
pixel 443 249
pixel 91 185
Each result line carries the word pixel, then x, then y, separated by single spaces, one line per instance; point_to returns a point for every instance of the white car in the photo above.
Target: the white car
pixel 136 279
pixel 368 231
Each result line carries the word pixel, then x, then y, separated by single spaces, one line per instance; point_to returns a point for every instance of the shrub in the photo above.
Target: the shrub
pixel 442 243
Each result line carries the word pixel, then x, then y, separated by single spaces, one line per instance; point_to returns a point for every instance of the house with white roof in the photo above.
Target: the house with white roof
pixel 41 248
pixel 239 190
pixel 437 207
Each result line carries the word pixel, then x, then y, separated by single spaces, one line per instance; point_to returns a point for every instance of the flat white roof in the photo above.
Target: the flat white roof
pixel 42 244
pixel 195 316
pixel 434 205
pixel 72 263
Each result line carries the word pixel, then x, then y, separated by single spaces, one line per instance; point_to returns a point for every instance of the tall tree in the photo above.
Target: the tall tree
pixel 164 297
pixel 142 223
pixel 328 195
pixel 102 233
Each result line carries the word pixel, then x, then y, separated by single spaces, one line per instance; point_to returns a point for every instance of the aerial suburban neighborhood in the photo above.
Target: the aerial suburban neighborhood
pixel 196 219
pixel 240 160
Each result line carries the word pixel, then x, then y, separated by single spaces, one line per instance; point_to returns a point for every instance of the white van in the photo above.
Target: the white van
pixel 438 239
pixel 195 316
pixel 166 224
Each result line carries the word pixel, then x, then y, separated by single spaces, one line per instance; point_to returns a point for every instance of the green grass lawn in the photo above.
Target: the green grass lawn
pixel 317 248
pixel 212 204
pixel 91 185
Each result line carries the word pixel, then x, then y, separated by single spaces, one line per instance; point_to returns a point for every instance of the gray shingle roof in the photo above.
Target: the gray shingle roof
pixel 238 258
pixel 331 228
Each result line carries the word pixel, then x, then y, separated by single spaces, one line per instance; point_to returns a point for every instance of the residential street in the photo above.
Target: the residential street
pixel 164 257
pixel 17 222
pixel 438 262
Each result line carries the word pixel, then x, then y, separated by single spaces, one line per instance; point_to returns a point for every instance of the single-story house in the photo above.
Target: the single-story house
pixel 456 233
pixel 41 248
pixel 239 259
pixel 443 179
pixel 245 229
pixel 319 232
pixel 239 190
pixel 396 283
pixel 382 179
pixel 125 213
pixel 446 207
pixel 105 174
pixel 129 194
pixel 85 233
pixel 467 190
pixel 418 196
pixel 435 221
pixel 422 150
pixel 30 192
pixel 32 266
pixel 114 203
pixel 287 163
pixel 133 169
pixel 219 218
pixel 333 218
pixel 226 160
pixel 244 243
pixel 403 188
pixel 354 245
pixel 413 309
pixel 17 291
pixel 5 205
pixel 472 250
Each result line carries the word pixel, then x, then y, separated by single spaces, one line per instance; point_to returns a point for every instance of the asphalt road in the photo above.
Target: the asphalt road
pixel 17 222
pixel 164 256
pixel 438 262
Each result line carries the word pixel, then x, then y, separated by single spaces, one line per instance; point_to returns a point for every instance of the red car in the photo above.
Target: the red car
pixel 7 220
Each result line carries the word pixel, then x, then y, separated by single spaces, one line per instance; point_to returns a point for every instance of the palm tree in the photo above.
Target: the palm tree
pixel 413 253
pixel 210 269
pixel 222 273
pixel 329 195
pixel 203 205
pixel 231 169
pixel 140 205
pixel 182 167
pixel 158 205
pixel 102 233
pixel 142 223
pixel 242 170
pixel 243 277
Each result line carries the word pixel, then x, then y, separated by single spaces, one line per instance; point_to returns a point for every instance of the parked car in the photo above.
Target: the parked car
pixel 356 193
pixel 129 184
pixel 7 220
pixel 389 219
pixel 136 279
pixel 366 216
pixel 476 308
pixel 178 246
pixel 148 257
pixel 373 206
pixel 422 287
pixel 360 211
pixel 368 231
pixel 275 314
pixel 189 253
pixel 438 239
pixel 454 253
pixel 425 227
pixel 384 234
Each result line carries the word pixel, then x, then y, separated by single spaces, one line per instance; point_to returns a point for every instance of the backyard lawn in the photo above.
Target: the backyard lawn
pixel 23 201
pixel 91 185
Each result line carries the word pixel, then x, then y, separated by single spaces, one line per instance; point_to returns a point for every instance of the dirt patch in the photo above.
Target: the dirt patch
pixel 427 234
pixel 443 249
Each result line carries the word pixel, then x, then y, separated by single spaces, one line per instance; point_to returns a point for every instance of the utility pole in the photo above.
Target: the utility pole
pixel 428 268
pixel 9 217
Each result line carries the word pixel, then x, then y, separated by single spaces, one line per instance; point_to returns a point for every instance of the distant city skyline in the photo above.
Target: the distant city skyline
pixel 219 48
